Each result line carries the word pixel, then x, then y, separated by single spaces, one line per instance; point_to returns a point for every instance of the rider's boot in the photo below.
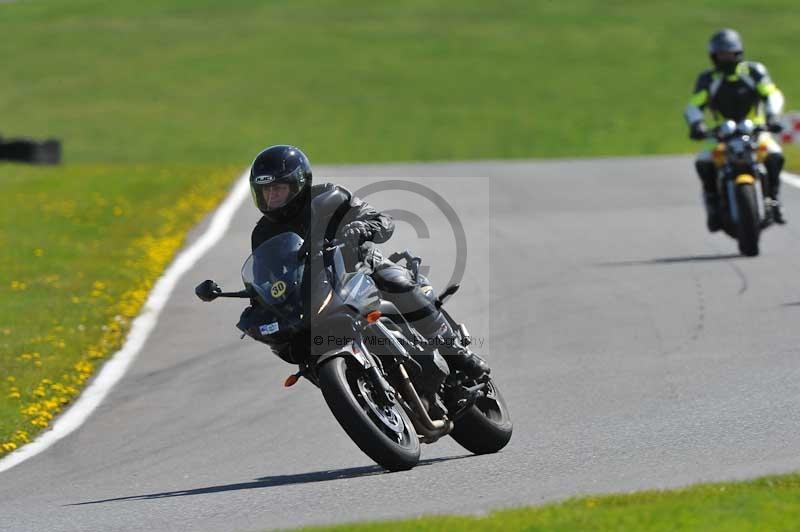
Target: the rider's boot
pixel 774 164
pixel 438 332
pixel 464 360
pixel 708 175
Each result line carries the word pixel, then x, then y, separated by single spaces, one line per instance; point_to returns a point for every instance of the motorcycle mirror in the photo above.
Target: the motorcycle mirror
pixel 208 290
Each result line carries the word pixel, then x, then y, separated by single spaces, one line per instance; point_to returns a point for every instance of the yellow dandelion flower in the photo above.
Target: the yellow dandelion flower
pixel 83 366
pixel 30 410
pixel 11 378
pixel 52 404
pixel 9 446
pixel 38 252
pixel 14 395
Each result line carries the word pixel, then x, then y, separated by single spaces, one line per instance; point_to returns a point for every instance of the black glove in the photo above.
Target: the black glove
pixel 698 131
pixel 356 232
pixel 372 256
pixel 207 290
pixel 773 125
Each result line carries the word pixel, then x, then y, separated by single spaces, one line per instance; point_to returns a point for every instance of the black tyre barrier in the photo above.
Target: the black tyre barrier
pixel 31 151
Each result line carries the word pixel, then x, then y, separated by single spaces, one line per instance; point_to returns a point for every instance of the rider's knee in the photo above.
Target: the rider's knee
pixel 394 279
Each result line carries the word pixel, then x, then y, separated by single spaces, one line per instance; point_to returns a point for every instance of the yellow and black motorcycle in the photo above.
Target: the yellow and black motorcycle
pixel 739 158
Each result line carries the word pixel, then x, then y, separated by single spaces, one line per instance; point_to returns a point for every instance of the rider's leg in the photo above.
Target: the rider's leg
pixel 774 164
pixel 398 286
pixel 707 172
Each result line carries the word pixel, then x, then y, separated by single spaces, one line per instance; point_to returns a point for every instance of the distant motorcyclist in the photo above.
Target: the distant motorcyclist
pixel 280 181
pixel 735 90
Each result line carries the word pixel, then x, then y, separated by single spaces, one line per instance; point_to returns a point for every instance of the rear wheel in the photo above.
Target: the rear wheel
pixel 486 427
pixel 384 433
pixel 748 229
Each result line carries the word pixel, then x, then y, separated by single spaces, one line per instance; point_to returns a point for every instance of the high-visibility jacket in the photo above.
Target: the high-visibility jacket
pixel 747 93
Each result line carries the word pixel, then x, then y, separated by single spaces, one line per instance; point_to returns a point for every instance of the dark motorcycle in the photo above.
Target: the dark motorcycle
pixel 388 387
pixel 739 160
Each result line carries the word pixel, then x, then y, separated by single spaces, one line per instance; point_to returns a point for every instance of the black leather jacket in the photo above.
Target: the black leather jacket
pixel 332 208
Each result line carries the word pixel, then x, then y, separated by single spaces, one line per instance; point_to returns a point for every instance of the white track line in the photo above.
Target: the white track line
pixel 791 179
pixel 115 367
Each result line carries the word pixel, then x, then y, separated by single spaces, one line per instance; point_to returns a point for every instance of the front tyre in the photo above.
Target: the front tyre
pixel 486 427
pixel 385 434
pixel 749 225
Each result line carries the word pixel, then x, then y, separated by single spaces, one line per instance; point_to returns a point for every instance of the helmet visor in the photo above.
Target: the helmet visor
pixel 276 195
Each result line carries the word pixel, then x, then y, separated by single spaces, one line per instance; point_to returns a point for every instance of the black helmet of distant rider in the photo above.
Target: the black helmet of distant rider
pixel 726 50
pixel 280 180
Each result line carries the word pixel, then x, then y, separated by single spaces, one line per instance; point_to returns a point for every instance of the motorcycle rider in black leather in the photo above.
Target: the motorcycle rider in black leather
pixel 281 184
pixel 735 90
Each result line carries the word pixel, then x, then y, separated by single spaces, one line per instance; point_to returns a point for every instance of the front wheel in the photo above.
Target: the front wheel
pixel 486 427
pixel 384 433
pixel 749 225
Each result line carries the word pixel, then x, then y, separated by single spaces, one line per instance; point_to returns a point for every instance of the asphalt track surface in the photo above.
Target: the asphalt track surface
pixel 635 350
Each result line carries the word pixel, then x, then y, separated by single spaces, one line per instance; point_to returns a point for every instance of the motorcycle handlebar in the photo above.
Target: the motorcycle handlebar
pixel 715 133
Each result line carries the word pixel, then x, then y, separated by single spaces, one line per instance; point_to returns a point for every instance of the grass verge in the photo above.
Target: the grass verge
pixel 792 158
pixel 769 503
pixel 80 247
pixel 360 81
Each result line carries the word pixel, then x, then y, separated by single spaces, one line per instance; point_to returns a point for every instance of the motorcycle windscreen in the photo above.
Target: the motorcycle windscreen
pixel 275 273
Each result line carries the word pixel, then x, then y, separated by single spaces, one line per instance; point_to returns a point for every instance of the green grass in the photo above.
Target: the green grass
pixel 792 154
pixel 79 248
pixel 353 81
pixel 767 504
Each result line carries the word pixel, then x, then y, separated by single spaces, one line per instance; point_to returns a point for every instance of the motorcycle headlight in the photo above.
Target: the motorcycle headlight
pixel 738 151
pixel 727 129
pixel 746 127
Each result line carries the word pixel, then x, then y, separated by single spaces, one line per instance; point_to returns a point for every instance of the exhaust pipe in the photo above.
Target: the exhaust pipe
pixel 431 430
